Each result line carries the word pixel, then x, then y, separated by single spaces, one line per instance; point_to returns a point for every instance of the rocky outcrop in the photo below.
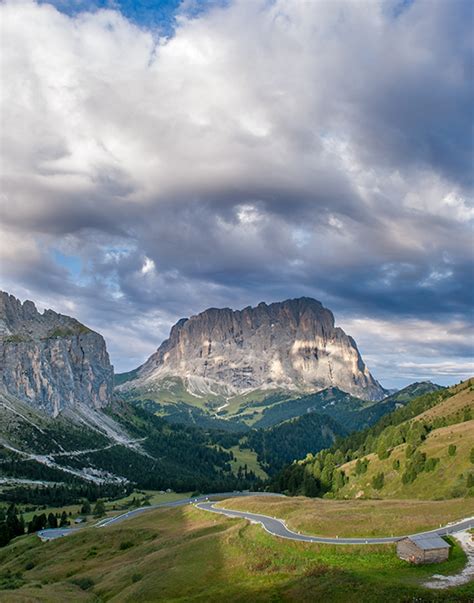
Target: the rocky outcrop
pixel 291 345
pixel 51 361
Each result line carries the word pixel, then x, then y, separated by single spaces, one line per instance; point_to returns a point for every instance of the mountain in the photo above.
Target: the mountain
pixel 424 449
pixel 59 422
pixel 120 445
pixel 348 411
pixel 221 355
pixel 370 414
pixel 51 361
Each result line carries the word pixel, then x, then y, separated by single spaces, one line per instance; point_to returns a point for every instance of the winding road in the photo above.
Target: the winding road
pixel 277 527
pixel 272 525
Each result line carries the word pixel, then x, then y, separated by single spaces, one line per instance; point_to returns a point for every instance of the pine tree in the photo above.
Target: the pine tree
pixel 64 520
pixel 99 508
pixel 86 507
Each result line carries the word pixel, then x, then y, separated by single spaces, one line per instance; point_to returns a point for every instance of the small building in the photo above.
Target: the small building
pixel 423 549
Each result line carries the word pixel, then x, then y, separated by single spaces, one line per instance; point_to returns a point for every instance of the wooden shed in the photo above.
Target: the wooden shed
pixel 423 549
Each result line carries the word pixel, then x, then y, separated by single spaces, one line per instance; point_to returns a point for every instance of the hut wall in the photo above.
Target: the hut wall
pixel 408 551
pixel 436 555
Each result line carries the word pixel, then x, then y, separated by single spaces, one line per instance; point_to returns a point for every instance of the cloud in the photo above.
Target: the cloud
pixel 262 150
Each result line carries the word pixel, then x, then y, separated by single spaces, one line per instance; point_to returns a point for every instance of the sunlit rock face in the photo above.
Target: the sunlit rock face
pixel 291 345
pixel 50 360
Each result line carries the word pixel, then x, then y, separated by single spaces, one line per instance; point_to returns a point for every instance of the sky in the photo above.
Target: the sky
pixel 159 158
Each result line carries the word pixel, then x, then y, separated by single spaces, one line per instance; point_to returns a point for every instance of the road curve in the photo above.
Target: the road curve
pixel 272 525
pixel 53 533
pixel 277 527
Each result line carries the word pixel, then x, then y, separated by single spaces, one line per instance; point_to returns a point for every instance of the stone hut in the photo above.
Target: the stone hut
pixel 423 549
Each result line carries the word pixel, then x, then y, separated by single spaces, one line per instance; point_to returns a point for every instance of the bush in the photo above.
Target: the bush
pixel 29 565
pixel 84 583
pixel 137 577
pixel 430 464
pixel 409 476
pixel 126 544
pixel 452 449
pixel 378 481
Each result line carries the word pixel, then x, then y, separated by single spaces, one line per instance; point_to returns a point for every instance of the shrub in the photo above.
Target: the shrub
pixel 126 544
pixel 430 464
pixel 361 466
pixel 137 577
pixel 29 565
pixel 378 481
pixel 452 449
pixel 409 476
pixel 84 583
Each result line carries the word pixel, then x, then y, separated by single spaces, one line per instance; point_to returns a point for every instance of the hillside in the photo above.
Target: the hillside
pixel 287 441
pixel 185 554
pixel 351 413
pixel 422 450
pixel 121 445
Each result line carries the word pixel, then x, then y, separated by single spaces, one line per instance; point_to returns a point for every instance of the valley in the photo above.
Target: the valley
pixel 335 478
pixel 203 556
pixel 236 301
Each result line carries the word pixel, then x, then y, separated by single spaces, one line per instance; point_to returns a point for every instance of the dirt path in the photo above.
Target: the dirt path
pixel 439 581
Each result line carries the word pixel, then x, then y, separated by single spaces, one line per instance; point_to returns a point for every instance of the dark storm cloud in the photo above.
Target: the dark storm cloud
pixel 264 151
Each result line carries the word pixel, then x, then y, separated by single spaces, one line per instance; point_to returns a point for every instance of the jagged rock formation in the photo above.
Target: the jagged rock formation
pixel 51 361
pixel 291 345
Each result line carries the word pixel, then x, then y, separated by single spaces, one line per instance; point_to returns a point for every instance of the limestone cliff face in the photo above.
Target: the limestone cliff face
pixel 291 345
pixel 51 361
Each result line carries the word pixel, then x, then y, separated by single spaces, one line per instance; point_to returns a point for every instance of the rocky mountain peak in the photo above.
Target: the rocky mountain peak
pixel 291 345
pixel 51 361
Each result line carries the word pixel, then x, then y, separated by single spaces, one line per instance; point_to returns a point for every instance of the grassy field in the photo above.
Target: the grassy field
pixel 246 457
pixel 185 554
pixel 356 518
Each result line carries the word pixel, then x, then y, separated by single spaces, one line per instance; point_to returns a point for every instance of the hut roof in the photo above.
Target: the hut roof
pixel 429 542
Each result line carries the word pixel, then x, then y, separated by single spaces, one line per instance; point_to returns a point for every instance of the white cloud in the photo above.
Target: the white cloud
pixel 266 149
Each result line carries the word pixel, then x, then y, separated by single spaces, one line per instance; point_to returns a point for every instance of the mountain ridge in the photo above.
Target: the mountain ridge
pixel 50 360
pixel 291 345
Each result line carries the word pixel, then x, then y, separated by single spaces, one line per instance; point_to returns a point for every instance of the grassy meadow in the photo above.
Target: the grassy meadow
pixel 356 518
pixel 186 554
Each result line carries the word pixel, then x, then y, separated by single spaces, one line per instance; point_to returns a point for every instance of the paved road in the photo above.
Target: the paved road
pixel 277 527
pixel 272 525
pixel 53 533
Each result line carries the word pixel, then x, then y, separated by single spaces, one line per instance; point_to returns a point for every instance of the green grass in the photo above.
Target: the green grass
pixel 249 407
pixel 356 518
pixel 186 554
pixel 246 457
pixel 447 480
pixel 170 391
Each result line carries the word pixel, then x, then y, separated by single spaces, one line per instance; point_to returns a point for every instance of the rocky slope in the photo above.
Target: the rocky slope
pixel 291 345
pixel 51 361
